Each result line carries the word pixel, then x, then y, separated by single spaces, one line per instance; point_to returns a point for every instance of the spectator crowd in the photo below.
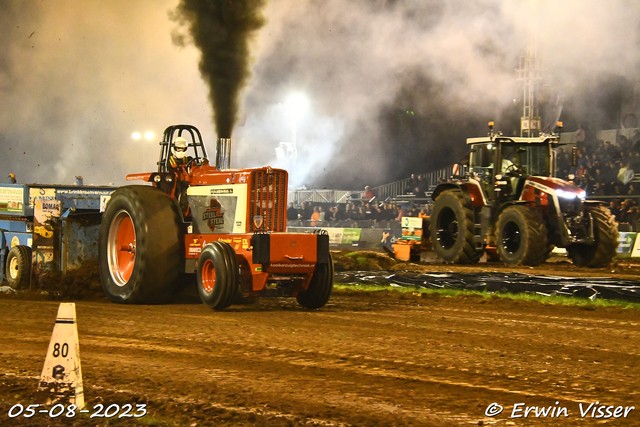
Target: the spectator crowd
pixel 340 215
pixel 603 168
pixel 606 168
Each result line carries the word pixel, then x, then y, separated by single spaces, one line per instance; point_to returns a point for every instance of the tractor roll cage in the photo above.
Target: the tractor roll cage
pixel 170 134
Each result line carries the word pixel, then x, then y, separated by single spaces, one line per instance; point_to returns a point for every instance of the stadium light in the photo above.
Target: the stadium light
pixel 147 135
pixel 297 105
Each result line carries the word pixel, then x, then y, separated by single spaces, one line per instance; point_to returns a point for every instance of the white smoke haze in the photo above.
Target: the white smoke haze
pixel 394 86
pixel 80 77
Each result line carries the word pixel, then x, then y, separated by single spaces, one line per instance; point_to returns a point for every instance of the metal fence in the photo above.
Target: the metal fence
pixel 398 188
pixel 385 192
pixel 320 196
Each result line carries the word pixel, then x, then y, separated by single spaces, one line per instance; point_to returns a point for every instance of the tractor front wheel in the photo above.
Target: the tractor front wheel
pixel 141 248
pixel 319 290
pixel 218 275
pixel 521 236
pixel 602 251
pixel 452 229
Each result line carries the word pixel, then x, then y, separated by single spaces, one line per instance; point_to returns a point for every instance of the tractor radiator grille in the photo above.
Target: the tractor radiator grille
pixel 268 200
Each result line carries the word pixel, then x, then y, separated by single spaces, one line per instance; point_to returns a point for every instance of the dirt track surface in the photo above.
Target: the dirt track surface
pixel 363 360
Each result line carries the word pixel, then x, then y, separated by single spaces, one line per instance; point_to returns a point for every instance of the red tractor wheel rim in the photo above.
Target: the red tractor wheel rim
pixel 208 276
pixel 122 248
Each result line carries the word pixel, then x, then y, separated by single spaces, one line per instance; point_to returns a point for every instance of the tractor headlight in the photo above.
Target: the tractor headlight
pixel 570 194
pixel 570 202
pixel 157 178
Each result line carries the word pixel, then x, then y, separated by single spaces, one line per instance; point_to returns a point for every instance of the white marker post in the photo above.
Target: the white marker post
pixel 61 379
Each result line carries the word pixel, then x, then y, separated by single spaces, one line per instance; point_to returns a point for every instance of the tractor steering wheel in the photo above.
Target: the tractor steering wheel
pixel 513 170
pixel 187 167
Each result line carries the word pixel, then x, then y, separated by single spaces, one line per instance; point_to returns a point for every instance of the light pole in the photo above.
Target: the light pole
pixel 297 105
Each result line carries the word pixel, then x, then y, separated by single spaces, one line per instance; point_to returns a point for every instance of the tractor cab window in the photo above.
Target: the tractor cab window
pixel 525 159
pixel 481 160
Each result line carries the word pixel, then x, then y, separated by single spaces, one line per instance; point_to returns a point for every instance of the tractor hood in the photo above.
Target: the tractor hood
pixel 555 185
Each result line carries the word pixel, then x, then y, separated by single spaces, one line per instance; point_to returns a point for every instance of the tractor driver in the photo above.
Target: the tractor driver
pixel 179 156
pixel 180 164
pixel 511 161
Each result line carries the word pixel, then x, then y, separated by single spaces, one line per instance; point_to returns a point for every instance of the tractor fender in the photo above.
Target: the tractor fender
pixel 511 203
pixel 471 190
pixel 443 187
pixel 594 202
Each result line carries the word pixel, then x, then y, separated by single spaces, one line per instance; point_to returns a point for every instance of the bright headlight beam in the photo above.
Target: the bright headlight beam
pixel 570 195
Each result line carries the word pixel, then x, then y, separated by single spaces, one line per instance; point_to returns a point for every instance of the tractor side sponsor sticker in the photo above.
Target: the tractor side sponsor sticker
pixel 214 215
pixel 196 244
pixel 292 265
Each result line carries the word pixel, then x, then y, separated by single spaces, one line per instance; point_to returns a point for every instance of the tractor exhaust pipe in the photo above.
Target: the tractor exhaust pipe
pixel 223 153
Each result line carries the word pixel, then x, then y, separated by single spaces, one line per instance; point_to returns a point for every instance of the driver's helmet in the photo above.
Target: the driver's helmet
pixel 179 147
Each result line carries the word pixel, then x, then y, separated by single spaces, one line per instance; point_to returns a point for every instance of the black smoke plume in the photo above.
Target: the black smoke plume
pixel 221 29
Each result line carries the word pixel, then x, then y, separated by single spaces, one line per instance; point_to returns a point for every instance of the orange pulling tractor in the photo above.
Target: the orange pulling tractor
pixel 225 225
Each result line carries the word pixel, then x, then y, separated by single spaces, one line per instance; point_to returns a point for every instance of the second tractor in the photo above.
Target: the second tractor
pixel 511 206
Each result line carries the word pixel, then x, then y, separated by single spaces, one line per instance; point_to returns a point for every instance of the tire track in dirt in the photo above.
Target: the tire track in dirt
pixel 392 364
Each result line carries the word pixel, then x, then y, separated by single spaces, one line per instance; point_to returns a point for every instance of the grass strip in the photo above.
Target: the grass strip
pixel 543 299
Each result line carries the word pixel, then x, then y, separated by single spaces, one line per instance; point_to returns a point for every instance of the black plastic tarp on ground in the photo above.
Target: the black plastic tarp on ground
pixel 592 288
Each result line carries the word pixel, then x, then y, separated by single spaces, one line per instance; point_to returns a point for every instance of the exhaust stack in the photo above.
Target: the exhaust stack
pixel 223 153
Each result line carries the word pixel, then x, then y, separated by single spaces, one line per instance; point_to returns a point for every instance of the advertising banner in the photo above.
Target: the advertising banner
pixel 335 236
pixel 11 199
pixel 411 228
pixel 626 242
pixel 350 235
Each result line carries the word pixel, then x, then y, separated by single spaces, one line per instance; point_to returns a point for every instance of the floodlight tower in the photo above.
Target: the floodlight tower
pixel 530 73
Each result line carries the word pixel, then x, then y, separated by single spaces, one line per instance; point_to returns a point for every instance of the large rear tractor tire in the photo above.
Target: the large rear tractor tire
pixel 18 268
pixel 319 290
pixel 521 236
pixel 141 246
pixel 218 275
pixel 605 230
pixel 452 229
